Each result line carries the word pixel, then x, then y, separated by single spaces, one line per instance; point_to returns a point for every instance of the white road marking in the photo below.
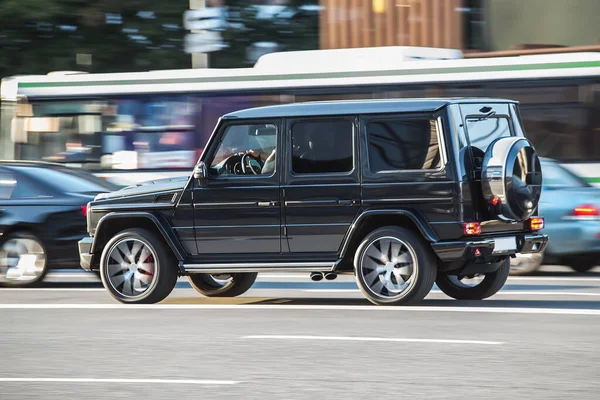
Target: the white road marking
pixel 77 275
pixel 52 290
pixel 369 339
pixel 553 278
pixel 95 380
pixel 284 276
pixel 502 292
pixel 284 307
pixel 543 293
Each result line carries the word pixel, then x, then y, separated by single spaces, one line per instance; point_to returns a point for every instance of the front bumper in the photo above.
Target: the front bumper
pixel 483 250
pixel 85 257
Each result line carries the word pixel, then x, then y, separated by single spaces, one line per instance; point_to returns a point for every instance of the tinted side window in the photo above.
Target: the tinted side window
pixel 403 144
pixel 324 146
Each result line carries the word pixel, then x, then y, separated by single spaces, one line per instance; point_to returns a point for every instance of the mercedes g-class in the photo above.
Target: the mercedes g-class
pixel 400 193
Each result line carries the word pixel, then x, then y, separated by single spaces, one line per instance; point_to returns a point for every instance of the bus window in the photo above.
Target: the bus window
pixel 560 132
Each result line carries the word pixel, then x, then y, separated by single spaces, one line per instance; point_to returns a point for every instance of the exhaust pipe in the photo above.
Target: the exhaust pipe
pixel 316 276
pixel 330 276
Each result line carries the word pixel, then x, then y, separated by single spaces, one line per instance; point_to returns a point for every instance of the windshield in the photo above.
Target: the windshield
pixel 556 176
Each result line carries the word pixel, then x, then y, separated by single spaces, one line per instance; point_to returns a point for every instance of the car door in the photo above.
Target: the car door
pixel 238 212
pixel 322 186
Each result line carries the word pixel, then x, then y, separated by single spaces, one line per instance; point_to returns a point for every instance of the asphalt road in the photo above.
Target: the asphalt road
pixel 290 338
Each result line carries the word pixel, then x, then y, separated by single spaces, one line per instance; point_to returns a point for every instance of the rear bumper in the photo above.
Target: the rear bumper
pixel 85 257
pixel 466 250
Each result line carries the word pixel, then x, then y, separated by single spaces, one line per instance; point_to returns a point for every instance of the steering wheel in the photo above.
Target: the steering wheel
pixel 247 164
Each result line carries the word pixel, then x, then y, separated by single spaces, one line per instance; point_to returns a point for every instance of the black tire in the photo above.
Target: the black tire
pixel 489 286
pixel 582 264
pixel 237 284
pixel 409 245
pixel 19 244
pixel 164 277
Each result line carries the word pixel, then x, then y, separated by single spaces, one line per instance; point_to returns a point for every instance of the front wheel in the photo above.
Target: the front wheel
pixel 222 285
pixel 394 266
pixel 478 287
pixel 136 267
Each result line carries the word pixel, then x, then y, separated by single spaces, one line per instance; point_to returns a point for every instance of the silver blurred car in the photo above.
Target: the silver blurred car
pixel 571 209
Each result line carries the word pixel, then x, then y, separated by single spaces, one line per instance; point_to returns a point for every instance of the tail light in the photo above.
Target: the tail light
pixel 585 211
pixel 471 228
pixel 536 223
pixel 84 210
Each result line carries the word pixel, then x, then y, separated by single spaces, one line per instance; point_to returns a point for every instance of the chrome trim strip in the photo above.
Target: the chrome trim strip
pixel 233 187
pixel 236 226
pixel 406 200
pixel 332 224
pixel 126 206
pixel 311 202
pixel 260 267
pixel 391 183
pixel 239 203
pixel 290 185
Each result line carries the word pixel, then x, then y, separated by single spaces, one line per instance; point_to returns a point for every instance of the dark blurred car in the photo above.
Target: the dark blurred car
pixel 42 216
pixel 571 209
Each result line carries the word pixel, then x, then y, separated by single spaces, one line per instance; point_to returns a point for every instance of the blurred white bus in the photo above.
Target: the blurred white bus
pixel 132 127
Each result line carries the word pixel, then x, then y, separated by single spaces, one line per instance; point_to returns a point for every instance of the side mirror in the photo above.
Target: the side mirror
pixel 201 173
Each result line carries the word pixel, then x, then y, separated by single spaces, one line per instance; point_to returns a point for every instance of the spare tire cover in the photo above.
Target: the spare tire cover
pixel 511 172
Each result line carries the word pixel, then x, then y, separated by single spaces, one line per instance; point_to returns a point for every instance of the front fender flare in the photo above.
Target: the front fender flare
pixel 167 235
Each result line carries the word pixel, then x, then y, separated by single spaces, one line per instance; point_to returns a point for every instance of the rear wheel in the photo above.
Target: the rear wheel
pixel 136 267
pixel 394 266
pixel 222 285
pixel 476 287
pixel 23 260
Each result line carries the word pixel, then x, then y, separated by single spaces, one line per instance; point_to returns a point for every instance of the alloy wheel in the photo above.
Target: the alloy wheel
pixel 389 267
pixel 131 267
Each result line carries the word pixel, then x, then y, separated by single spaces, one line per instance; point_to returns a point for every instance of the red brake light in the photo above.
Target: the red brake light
pixel 84 210
pixel 585 210
pixel 495 200
pixel 536 223
pixel 471 228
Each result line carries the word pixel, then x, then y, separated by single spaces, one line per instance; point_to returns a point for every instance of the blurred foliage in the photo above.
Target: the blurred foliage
pixel 38 36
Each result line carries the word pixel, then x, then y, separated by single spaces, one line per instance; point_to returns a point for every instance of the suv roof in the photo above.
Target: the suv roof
pixel 341 107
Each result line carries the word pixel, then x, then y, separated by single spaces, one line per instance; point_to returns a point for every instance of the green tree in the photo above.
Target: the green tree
pixel 38 36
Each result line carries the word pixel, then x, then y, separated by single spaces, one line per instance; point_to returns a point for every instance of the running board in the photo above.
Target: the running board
pixel 260 267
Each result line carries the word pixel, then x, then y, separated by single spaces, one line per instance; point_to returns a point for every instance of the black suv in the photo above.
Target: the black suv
pixel 401 193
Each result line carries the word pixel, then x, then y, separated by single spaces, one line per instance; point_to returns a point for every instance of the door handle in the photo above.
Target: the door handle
pixel 267 203
pixel 347 202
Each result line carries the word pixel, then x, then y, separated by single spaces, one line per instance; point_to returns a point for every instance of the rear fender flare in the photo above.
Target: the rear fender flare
pixel 424 227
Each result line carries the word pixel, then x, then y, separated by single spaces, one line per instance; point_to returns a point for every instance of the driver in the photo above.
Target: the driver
pixel 268 161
